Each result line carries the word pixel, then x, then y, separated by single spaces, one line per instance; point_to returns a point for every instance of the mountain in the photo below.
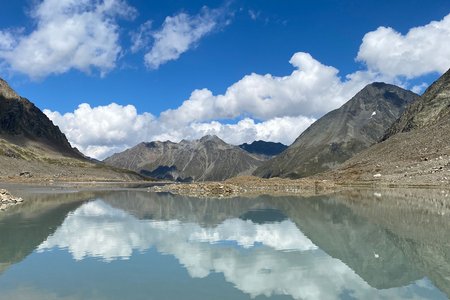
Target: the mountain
pixel 31 146
pixel 264 148
pixel 208 158
pixel 416 149
pixel 21 121
pixel 341 133
pixel 434 105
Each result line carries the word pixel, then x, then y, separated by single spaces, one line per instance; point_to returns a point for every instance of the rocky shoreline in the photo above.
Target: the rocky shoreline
pixel 7 200
pixel 251 186
pixel 247 186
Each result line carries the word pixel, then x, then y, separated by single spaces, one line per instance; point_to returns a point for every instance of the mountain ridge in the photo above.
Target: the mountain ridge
pixel 434 106
pixel 33 148
pixel 205 159
pixel 21 121
pixel 264 148
pixel 341 133
pixel 415 149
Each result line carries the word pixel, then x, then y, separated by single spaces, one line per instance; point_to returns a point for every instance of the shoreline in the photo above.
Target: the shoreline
pixel 235 187
pixel 251 186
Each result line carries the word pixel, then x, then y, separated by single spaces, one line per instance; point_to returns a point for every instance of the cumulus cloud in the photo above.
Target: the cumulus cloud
pixel 81 35
pixel 312 89
pixel 180 33
pixel 271 108
pixel 284 130
pixel 284 106
pixel 419 88
pixel 7 40
pixel 101 130
pixel 422 50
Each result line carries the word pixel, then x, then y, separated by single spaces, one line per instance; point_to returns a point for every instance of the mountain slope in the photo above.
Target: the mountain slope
pixel 21 120
pixel 416 148
pixel 264 148
pixel 433 106
pixel 341 133
pixel 33 148
pixel 209 158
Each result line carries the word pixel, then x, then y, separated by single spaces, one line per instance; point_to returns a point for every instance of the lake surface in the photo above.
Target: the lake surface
pixel 139 245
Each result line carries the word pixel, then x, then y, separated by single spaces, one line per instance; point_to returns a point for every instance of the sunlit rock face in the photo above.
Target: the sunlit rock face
pixel 268 259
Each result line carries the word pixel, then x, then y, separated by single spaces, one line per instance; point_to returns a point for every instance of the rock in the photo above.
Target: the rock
pixel 7 200
pixel 25 174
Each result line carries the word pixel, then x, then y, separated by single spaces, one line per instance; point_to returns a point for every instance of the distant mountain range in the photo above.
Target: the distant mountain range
pixel 341 133
pixel 208 158
pixel 264 148
pixel 413 131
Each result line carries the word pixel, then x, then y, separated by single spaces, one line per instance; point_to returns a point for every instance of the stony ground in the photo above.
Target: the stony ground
pixel 7 200
pixel 33 163
pixel 420 157
pixel 249 185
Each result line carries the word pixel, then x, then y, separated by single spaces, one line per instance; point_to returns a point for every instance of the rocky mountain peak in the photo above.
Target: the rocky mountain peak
pixel 264 148
pixel 341 133
pixel 6 91
pixel 388 92
pixel 211 138
pixel 208 158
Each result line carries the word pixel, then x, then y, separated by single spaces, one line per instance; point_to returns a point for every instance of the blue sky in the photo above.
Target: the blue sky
pixel 217 43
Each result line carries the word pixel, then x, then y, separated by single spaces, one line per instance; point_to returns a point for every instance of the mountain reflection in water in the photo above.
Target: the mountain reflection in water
pixel 337 247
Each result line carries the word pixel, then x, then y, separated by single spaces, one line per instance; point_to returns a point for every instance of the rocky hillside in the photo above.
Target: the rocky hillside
pixel 264 148
pixel 341 133
pixel 32 148
pixel 416 148
pixel 208 158
pixel 21 120
pixel 433 106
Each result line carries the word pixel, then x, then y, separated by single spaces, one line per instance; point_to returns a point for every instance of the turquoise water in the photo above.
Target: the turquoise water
pixel 139 245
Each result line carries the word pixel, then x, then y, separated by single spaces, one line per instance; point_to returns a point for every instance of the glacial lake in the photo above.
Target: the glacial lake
pixel 132 244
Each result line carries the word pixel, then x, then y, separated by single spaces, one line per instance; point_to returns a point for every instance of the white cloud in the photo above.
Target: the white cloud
pixel 285 105
pixel 254 14
pixel 81 35
pixel 101 130
pixel 422 50
pixel 141 38
pixel 420 88
pixel 312 89
pixel 7 41
pixel 284 130
pixel 181 33
pixel 271 108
